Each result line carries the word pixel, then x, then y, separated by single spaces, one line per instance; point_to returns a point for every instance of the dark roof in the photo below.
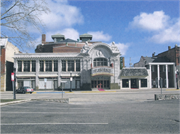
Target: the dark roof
pixel 128 72
pixel 155 59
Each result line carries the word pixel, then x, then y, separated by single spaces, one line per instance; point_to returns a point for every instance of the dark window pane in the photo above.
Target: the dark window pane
pixel 26 66
pixel 55 65
pixel 19 66
pixel 63 65
pixel 125 83
pixel 33 66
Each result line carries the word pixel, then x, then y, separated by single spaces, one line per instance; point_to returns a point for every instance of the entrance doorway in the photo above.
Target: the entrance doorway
pixel 100 84
pixel 134 83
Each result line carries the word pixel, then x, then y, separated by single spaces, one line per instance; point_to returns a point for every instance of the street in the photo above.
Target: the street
pixel 129 117
pixel 132 111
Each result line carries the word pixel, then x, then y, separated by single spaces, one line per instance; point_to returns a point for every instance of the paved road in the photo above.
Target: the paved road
pixel 150 117
pixel 93 97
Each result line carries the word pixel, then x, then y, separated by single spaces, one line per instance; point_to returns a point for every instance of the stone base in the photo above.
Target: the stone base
pixel 166 96
pixel 86 87
pixel 114 86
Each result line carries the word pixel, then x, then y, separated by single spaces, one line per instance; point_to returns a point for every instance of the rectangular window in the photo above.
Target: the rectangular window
pixel 41 65
pixel 33 66
pixel 143 82
pixel 125 83
pixel 49 65
pixel 19 66
pixel 26 66
pixel 70 65
pixel 77 65
pixel 55 65
pixel 63 65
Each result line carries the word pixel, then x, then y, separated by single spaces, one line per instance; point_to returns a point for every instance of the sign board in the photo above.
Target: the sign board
pixel 12 76
pixel 102 71
pixel 71 79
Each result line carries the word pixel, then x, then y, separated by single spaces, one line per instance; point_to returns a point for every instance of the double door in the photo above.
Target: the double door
pixel 100 84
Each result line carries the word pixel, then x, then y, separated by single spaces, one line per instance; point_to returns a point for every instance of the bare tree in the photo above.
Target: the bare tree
pixel 19 17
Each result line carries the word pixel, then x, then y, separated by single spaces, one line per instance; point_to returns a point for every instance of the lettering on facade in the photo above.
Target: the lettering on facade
pixel 102 71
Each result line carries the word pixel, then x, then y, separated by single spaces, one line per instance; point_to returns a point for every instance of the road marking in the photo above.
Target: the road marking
pixel 48 112
pixel 50 108
pixel 97 91
pixel 6 124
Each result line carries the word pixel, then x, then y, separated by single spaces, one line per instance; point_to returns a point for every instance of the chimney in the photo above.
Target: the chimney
pixel 153 54
pixel 43 38
pixel 169 47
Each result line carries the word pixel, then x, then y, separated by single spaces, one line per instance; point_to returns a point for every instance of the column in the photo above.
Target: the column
pixel 139 80
pixel 22 66
pixel 158 75
pixel 37 74
pixel 59 72
pixel 30 65
pixel 52 65
pixel 66 66
pixel 174 76
pixel 129 83
pixel 167 82
pixel 74 65
pixel 44 65
pixel 150 79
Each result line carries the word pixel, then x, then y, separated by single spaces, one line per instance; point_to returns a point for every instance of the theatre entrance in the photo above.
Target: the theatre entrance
pixel 100 82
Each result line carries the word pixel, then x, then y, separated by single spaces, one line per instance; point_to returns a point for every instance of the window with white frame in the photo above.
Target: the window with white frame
pixel 33 66
pixel 49 65
pixel 63 65
pixel 70 65
pixel 55 65
pixel 26 66
pixel 41 62
pixel 100 62
pixel 77 65
pixel 19 66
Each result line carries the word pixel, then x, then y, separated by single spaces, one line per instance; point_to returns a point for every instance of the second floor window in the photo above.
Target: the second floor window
pixel 63 65
pixel 70 65
pixel 77 65
pixel 100 62
pixel 26 66
pixel 55 65
pixel 19 66
pixel 41 66
pixel 33 66
pixel 48 65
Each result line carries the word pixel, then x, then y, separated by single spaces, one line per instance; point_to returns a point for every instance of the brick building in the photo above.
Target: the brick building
pixel 7 63
pixel 163 67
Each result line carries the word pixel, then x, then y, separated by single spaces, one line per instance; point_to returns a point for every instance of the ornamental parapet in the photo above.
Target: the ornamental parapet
pixel 108 71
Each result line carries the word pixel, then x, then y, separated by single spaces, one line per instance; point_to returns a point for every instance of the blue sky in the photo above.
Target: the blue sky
pixel 138 28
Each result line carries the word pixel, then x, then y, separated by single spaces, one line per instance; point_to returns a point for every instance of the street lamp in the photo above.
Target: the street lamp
pixel 70 81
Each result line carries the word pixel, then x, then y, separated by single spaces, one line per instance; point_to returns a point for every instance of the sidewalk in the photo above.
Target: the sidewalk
pixel 94 91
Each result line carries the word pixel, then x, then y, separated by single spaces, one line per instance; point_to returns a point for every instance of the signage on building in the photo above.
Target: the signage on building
pixel 102 71
pixel 12 76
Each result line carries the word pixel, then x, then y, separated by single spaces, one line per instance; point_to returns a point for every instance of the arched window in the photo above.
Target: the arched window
pixel 100 62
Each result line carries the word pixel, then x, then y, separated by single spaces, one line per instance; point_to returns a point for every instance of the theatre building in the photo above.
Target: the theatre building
pixel 86 63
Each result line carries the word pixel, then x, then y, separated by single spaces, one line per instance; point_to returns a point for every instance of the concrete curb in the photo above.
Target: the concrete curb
pixel 13 102
pixel 61 100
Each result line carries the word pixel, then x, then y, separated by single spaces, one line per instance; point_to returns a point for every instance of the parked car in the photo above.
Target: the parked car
pixel 25 90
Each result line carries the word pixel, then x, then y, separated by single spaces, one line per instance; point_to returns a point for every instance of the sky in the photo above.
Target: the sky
pixel 138 28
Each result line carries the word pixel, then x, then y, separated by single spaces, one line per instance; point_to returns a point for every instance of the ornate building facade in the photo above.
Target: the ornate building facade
pixel 90 64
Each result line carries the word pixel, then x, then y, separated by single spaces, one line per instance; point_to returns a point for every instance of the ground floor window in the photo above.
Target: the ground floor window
pixel 125 83
pixel 143 82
